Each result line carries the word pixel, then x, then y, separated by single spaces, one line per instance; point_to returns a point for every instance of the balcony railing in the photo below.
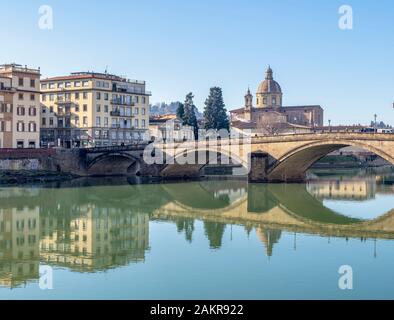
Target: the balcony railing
pixel 5 88
pixel 117 113
pixel 64 101
pixel 122 102
pixel 63 113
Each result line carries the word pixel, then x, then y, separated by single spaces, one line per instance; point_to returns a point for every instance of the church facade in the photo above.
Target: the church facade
pixel 269 116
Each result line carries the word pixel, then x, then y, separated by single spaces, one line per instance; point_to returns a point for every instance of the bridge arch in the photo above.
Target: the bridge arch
pixel 118 163
pixel 292 166
pixel 200 158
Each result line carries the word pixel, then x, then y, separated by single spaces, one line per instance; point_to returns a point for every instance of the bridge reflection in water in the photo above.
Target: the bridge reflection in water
pixel 88 227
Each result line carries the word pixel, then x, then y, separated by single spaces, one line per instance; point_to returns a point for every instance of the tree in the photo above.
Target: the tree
pixel 214 232
pixel 180 111
pixel 215 113
pixel 190 114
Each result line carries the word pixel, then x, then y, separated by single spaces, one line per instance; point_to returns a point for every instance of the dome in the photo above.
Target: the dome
pixel 269 85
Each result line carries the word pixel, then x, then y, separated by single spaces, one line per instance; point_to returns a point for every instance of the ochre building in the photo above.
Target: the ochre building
pixel 88 109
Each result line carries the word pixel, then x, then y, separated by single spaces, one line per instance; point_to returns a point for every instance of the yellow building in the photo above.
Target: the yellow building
pixel 343 190
pixel 93 109
pixel 19 245
pixel 95 239
pixel 19 107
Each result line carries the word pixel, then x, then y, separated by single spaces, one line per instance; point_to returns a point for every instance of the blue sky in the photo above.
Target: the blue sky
pixel 179 46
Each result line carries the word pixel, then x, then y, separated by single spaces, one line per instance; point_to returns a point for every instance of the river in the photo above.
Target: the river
pixel 211 239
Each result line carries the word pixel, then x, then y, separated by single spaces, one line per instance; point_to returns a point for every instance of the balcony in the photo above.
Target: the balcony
pixel 63 113
pixel 122 102
pixel 117 113
pixel 5 88
pixel 64 102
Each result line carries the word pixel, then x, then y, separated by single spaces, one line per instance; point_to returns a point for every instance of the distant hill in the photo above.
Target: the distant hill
pixel 159 109
pixel 380 124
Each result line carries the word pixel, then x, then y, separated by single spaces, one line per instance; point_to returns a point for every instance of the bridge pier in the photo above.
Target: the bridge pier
pixel 259 165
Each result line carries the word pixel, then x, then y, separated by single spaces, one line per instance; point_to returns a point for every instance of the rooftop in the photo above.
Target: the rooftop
pixel 93 75
pixel 14 67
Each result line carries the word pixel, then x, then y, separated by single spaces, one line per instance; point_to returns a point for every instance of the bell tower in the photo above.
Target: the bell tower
pixel 248 105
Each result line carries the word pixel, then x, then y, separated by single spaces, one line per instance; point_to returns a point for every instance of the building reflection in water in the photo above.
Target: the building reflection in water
pixel 350 189
pixel 88 228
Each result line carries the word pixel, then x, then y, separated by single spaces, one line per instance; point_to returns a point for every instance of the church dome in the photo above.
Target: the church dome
pixel 269 85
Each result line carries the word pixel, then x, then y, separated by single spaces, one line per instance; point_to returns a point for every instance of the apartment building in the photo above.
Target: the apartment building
pixel 19 106
pixel 6 104
pixel 87 109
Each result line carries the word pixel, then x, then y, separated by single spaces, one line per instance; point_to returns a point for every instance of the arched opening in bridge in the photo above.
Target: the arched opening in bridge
pixel 205 162
pixel 113 164
pixel 293 166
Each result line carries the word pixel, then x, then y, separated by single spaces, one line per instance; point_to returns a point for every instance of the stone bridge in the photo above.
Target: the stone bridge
pixel 280 158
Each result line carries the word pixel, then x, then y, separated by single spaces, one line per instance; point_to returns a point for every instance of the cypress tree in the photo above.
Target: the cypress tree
pixel 190 114
pixel 215 113
pixel 180 112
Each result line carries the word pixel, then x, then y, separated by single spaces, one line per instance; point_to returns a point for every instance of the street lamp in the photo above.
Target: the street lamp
pixel 329 124
pixel 375 123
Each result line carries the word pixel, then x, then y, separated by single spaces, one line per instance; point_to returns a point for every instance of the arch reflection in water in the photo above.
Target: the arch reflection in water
pixel 92 228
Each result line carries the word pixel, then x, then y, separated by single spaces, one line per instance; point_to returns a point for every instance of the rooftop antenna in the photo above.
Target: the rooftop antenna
pixel 106 69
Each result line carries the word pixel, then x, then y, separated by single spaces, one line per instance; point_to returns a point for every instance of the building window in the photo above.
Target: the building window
pixel 105 122
pixel 76 120
pixel 20 82
pixel 32 83
pixel 20 96
pixel 20 127
pixel 51 121
pixel 143 111
pixel 60 85
pixel 77 84
pixel 32 111
pixel 85 83
pixel 143 100
pixel 77 108
pixel 44 97
pixel 85 121
pixel 136 123
pixel 52 86
pixel 98 95
pixel 32 127
pixel 106 108
pixel 265 101
pixel 76 95
pixel 136 111
pixel 51 109
pixel 51 97
pixel 106 96
pixel 143 123
pixel 44 86
pixel 98 108
pixel 20 111
pixel 85 95
pixel 20 144
pixel 274 100
pixel 67 84
pixel 85 107
pixel 32 97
